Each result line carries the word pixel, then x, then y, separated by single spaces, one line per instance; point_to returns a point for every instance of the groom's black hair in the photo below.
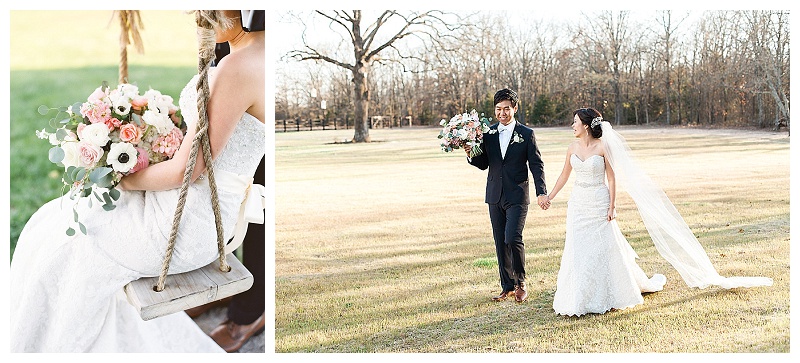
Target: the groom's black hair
pixel 506 94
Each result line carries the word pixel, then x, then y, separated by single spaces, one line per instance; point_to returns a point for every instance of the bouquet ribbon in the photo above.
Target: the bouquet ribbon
pixel 252 207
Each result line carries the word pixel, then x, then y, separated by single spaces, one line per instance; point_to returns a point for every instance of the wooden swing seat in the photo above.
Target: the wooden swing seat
pixel 188 289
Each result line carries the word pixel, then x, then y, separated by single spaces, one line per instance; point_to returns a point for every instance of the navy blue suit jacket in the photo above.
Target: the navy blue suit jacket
pixel 509 175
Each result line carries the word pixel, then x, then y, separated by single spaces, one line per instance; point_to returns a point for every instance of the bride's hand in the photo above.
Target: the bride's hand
pixel 612 213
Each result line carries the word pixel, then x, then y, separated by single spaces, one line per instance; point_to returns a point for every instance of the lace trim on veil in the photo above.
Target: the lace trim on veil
pixel 670 233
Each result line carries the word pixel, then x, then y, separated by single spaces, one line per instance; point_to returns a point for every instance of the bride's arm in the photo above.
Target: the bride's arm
pixel 229 89
pixel 562 179
pixel 612 189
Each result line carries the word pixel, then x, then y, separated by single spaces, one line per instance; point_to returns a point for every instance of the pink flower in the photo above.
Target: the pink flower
pixel 89 154
pixel 139 103
pixel 169 143
pixel 80 130
pixel 97 96
pixel 96 112
pixel 113 123
pixel 130 133
pixel 142 160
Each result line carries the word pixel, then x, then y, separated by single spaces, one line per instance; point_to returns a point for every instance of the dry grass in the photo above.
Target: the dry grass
pixel 386 247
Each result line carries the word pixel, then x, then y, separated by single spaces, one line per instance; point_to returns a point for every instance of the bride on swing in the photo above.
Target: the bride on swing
pixel 67 290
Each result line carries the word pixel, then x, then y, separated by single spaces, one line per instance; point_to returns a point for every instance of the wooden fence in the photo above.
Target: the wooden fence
pixel 299 124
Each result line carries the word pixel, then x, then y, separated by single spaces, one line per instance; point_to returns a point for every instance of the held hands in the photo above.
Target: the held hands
pixel 543 201
pixel 468 149
pixel 612 213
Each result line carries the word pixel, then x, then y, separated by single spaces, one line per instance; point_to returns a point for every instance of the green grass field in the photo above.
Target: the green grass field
pixel 58 58
pixel 386 247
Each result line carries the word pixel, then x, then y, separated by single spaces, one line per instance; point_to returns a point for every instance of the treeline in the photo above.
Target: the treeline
pixel 718 68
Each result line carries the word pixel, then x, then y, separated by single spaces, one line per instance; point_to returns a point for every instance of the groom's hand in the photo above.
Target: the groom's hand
pixel 543 201
pixel 467 148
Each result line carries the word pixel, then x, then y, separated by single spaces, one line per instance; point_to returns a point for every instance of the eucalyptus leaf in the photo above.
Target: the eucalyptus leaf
pixel 99 198
pixel 99 173
pixel 107 198
pixel 80 173
pixel 75 214
pixel 61 134
pixel 82 227
pixel 56 154
pixel 76 108
pixel 108 207
pixel 114 193
pixel 43 110
pixel 70 232
pixel 106 181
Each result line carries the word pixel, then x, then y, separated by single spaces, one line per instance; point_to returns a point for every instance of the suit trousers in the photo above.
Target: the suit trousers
pixel 508 220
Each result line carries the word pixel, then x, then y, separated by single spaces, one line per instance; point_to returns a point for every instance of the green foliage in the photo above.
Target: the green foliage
pixel 544 110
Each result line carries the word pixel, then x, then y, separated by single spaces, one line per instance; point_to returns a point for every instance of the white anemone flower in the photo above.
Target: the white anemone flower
pixel 122 156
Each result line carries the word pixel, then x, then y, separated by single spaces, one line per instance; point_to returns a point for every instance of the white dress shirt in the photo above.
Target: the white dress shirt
pixel 505 133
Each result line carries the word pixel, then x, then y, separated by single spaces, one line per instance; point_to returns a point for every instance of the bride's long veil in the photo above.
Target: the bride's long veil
pixel 672 237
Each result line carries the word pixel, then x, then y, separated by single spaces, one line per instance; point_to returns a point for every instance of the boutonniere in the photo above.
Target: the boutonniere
pixel 516 138
pixel 492 131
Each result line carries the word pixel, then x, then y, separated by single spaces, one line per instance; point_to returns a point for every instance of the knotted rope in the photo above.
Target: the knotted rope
pixel 206 20
pixel 130 22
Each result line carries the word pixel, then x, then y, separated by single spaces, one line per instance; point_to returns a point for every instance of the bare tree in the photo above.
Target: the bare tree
pixel 668 28
pixel 367 45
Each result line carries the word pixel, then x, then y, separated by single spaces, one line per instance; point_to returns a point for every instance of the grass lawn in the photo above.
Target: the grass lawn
pixel 62 64
pixel 386 247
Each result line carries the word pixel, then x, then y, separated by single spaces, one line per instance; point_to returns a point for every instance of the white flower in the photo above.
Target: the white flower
pixel 158 102
pixel 121 105
pixel 516 138
pixel 128 90
pixel 122 157
pixel 72 154
pixel 160 121
pixel 96 134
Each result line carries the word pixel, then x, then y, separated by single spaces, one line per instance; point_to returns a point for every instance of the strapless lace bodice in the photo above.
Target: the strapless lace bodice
pixel 246 146
pixel 590 172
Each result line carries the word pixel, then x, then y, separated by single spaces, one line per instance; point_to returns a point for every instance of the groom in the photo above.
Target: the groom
pixel 509 150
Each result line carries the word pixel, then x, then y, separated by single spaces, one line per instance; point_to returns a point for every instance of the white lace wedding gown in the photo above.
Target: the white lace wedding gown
pixel 598 268
pixel 66 292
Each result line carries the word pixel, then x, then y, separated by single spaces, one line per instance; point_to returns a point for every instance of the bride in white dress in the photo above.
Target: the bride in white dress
pixel 67 291
pixel 598 267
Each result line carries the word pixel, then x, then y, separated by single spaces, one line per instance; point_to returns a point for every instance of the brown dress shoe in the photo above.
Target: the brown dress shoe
pixel 202 309
pixel 503 295
pixel 231 336
pixel 520 293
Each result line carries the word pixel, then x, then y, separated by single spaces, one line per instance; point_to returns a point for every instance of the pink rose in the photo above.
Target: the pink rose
pixel 113 123
pixel 89 154
pixel 130 133
pixel 142 160
pixel 139 103
pixel 97 96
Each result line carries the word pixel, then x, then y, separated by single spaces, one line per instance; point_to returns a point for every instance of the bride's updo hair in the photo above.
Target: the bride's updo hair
pixel 590 117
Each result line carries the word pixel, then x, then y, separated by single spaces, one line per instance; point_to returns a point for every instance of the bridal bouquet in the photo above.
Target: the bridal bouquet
pixel 116 132
pixel 464 129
